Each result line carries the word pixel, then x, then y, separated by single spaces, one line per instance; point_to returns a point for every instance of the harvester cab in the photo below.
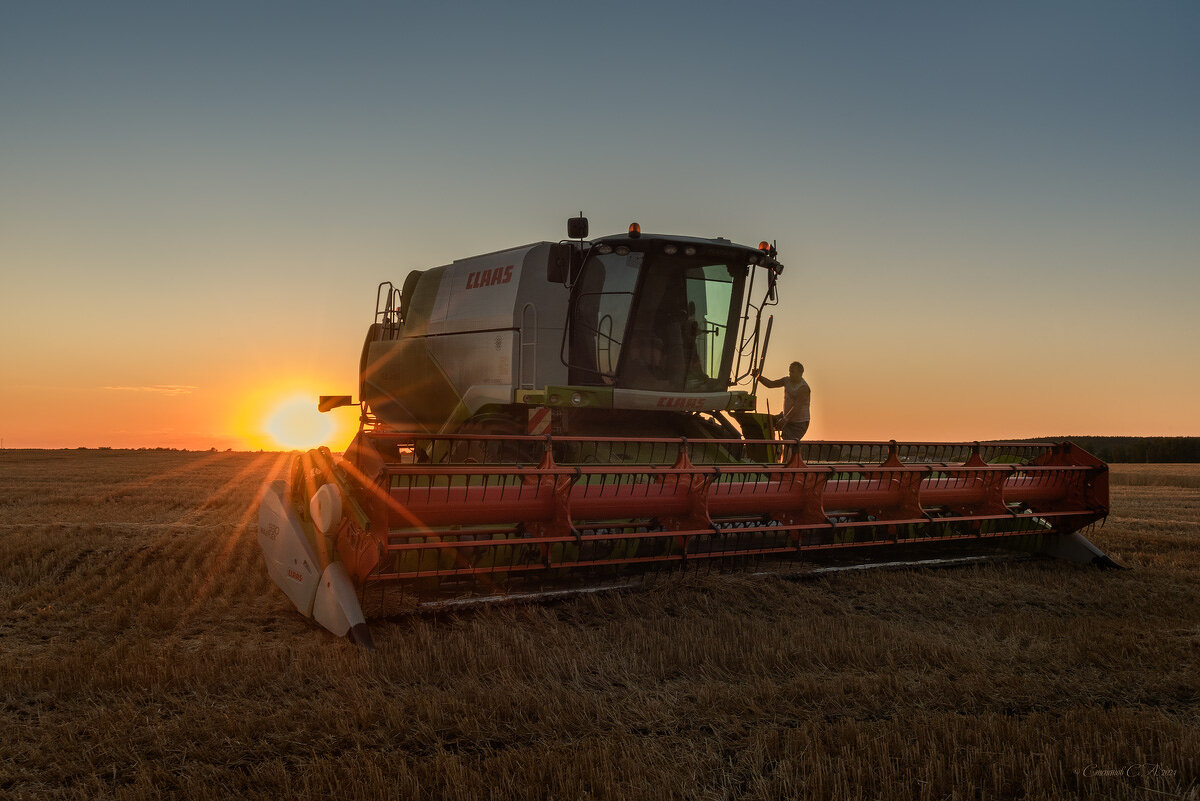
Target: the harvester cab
pixel 640 334
pixel 567 416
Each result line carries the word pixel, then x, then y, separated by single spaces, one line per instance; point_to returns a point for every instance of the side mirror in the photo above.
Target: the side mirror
pixel 327 403
pixel 577 227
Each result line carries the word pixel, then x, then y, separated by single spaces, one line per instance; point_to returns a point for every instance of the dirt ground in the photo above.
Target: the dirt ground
pixel 145 654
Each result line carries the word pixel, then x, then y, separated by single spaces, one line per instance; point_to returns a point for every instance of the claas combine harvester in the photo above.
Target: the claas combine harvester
pixel 564 416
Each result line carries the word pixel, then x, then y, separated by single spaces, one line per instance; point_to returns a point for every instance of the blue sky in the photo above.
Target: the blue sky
pixel 990 213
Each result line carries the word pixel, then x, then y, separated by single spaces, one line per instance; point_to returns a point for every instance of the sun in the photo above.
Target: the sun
pixel 296 424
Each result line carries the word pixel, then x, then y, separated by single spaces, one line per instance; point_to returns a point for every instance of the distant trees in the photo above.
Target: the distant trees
pixel 1136 449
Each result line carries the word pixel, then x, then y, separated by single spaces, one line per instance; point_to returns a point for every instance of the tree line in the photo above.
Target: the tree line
pixel 1136 449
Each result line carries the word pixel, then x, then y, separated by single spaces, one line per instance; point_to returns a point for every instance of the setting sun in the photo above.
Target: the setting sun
pixel 296 423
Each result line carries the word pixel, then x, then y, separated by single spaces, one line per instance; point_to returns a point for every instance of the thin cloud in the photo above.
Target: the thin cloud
pixel 162 389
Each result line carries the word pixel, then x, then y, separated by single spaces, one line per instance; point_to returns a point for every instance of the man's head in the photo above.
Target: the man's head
pixel 796 371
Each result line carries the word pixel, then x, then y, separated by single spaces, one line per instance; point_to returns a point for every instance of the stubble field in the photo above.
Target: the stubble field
pixel 144 654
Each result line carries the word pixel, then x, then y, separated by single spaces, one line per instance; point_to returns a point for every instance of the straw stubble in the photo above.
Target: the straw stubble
pixel 144 652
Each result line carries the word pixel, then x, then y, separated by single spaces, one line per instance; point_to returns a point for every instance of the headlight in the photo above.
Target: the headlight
pixel 576 398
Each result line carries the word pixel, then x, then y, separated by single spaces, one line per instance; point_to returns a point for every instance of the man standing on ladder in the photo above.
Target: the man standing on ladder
pixel 793 423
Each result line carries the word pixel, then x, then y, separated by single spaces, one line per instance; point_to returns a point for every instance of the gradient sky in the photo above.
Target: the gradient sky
pixel 990 214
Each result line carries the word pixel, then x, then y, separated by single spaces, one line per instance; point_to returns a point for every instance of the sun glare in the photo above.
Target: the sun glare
pixel 296 424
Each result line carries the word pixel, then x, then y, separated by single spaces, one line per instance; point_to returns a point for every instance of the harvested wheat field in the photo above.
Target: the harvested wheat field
pixel 144 653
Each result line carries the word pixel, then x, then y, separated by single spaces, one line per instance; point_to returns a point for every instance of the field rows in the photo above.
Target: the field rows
pixel 144 652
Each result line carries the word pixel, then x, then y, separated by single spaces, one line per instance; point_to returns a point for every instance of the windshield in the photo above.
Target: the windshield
pixel 656 321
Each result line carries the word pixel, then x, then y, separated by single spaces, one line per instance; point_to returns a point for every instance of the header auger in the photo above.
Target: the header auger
pixel 563 417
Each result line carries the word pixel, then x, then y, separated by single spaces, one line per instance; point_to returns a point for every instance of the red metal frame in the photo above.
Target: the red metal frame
pixel 447 527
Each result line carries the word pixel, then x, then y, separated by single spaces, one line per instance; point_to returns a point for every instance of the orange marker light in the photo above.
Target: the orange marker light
pixel 635 230
pixel 764 246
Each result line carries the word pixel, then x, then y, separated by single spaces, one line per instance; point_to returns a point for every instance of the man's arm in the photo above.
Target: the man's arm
pixel 766 382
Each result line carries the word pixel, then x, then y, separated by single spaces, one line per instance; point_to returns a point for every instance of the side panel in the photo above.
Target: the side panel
pixel 505 290
pixel 406 387
pixel 548 304
pixel 479 293
pixel 470 359
pixel 461 345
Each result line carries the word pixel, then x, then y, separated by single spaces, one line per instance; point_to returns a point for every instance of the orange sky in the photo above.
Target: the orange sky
pixel 939 361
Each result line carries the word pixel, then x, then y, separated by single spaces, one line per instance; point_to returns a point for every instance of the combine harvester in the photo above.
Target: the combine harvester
pixel 562 417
